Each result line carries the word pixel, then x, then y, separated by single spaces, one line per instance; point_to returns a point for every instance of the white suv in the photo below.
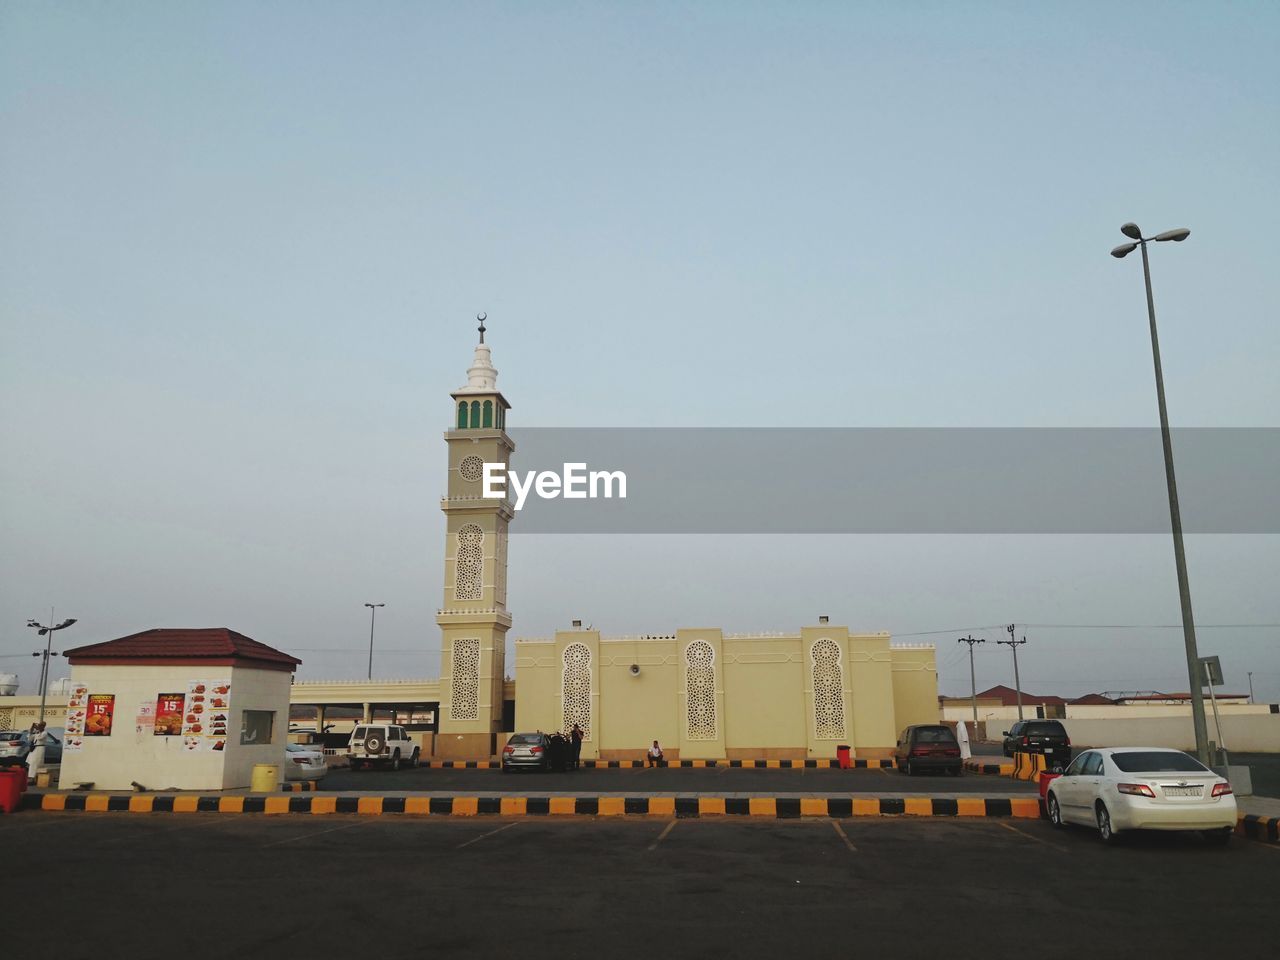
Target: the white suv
pixel 373 743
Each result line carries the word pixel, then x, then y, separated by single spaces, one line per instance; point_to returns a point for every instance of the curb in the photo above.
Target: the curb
pixel 1262 829
pixel 989 769
pixel 779 808
pixel 675 764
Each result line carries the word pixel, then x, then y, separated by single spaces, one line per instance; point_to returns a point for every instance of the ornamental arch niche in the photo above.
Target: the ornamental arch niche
pixel 700 691
pixel 828 690
pixel 575 686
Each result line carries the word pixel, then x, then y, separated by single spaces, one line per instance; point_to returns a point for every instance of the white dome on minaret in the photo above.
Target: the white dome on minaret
pixel 482 375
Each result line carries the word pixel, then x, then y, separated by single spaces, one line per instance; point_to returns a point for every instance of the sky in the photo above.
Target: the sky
pixel 242 246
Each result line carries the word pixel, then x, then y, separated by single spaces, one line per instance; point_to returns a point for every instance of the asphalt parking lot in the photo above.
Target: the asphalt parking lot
pixel 337 886
pixel 666 780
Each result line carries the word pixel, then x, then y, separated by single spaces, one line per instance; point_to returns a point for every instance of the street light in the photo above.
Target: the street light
pixel 1131 231
pixel 373 613
pixel 43 631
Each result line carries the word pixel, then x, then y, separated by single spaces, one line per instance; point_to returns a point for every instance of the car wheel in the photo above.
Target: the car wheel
pixel 1055 811
pixel 395 760
pixel 1220 837
pixel 415 759
pixel 1105 830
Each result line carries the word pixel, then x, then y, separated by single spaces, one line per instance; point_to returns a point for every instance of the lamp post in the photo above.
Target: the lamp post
pixel 46 631
pixel 373 613
pixel 1132 231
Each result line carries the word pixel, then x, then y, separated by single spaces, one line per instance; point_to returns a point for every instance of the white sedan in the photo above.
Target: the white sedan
pixel 303 763
pixel 1142 788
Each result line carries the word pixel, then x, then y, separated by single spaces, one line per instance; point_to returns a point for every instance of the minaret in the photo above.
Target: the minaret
pixel 473 618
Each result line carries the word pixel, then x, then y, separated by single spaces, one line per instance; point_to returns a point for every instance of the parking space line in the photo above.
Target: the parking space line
pixel 1029 836
pixel 844 836
pixel 316 833
pixel 489 834
pixel 663 835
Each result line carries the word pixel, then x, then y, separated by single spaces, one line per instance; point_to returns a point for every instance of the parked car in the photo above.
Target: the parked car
pixel 527 751
pixel 1142 788
pixel 1048 737
pixel 381 744
pixel 928 747
pixel 303 763
pixel 16 744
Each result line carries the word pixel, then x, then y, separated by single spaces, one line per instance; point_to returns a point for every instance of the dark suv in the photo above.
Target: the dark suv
pixel 928 746
pixel 1039 736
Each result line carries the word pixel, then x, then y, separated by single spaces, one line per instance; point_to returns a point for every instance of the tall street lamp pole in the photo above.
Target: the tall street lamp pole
pixel 1132 231
pixel 47 632
pixel 973 683
pixel 373 613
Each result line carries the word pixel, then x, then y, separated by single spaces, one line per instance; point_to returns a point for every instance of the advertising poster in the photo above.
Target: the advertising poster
pixel 144 722
pixel 77 710
pixel 101 710
pixel 193 723
pixel 219 714
pixel 169 712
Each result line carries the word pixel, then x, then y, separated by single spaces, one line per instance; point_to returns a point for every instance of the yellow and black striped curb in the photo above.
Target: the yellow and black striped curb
pixel 675 764
pixel 989 769
pixel 298 786
pixel 1266 829
pixel 780 808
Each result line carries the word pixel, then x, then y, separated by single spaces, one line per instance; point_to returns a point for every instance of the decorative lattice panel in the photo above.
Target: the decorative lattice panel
pixel 500 568
pixel 700 687
pixel 828 690
pixel 471 468
pixel 469 564
pixel 466 679
pixel 6 718
pixel 576 687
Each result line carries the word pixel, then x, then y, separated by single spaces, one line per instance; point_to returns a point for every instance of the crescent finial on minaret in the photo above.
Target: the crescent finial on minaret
pixel 482 317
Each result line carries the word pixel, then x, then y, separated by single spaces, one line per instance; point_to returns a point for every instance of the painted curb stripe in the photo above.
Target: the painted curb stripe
pixel 860 764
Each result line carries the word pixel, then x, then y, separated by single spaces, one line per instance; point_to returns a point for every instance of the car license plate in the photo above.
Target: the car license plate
pixel 1182 791
pixel 522 751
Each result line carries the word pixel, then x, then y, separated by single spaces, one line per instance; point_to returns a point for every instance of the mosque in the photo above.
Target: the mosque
pixel 702 693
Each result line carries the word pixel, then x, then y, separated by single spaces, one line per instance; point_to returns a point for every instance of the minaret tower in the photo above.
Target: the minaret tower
pixel 473 618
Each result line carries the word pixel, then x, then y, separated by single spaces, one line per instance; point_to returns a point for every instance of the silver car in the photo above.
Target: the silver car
pixel 526 751
pixel 15 745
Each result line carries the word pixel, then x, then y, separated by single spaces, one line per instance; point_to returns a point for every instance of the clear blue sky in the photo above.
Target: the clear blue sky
pixel 241 246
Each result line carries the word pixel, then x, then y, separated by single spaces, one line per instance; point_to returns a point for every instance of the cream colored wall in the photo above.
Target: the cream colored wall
pixel 960 710
pixel 915 686
pixel 871 687
pixel 636 710
pixel 765 693
pixel 116 761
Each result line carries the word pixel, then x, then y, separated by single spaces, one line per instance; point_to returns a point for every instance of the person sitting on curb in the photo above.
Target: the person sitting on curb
pixel 655 754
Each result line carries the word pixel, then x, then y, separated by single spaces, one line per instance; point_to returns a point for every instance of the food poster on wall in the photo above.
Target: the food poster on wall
pixel 144 722
pixel 204 724
pixel 219 714
pixel 77 710
pixel 101 710
pixel 169 711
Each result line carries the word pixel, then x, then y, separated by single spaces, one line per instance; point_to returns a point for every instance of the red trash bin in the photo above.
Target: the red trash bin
pixel 12 783
pixel 842 756
pixel 1045 779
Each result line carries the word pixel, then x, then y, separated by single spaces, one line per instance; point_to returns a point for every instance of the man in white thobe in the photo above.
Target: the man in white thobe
pixel 962 734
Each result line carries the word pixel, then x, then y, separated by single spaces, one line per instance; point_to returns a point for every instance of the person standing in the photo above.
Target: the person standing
pixel 35 756
pixel 962 735
pixel 576 735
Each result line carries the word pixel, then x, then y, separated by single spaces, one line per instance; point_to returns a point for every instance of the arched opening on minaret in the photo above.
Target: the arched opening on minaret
pixel 488 413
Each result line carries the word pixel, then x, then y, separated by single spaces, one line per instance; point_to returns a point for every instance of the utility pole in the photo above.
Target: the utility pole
pixel 973 683
pixel 373 614
pixel 1013 645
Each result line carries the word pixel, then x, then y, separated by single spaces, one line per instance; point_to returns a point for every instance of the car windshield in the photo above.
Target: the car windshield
pixel 12 736
pixel 526 738
pixel 1053 729
pixel 934 735
pixel 294 748
pixel 1156 761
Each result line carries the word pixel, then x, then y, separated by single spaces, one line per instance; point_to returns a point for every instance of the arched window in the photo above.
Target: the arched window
pixel 475 414
pixel 468 577
pixel 575 680
pixel 462 415
pixel 700 691
pixel 828 690
pixel 488 413
pixel 502 418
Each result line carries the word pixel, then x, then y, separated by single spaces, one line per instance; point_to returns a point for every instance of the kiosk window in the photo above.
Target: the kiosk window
pixel 256 726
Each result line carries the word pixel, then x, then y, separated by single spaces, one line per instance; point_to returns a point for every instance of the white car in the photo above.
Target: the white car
pixel 303 763
pixel 1142 788
pixel 376 744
